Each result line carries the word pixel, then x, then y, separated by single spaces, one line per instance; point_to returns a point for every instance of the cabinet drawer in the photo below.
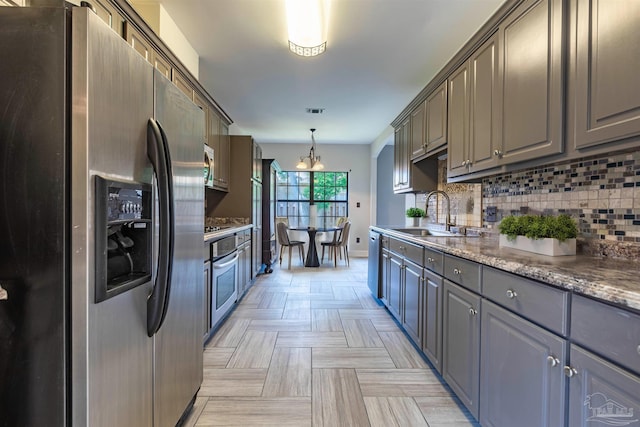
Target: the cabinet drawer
pixel 463 272
pixel 434 261
pixel 540 303
pixel 610 331
pixel 407 250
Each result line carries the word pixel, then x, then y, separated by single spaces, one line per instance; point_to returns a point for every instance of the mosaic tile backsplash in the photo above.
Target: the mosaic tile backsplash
pixel 602 193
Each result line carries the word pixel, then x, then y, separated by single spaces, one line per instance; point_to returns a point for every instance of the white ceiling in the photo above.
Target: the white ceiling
pixel 380 54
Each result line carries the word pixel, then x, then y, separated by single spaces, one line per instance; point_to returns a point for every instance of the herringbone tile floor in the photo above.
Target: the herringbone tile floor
pixel 311 347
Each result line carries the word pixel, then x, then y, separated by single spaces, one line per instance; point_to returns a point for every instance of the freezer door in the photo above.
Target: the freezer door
pixel 178 343
pixel 112 100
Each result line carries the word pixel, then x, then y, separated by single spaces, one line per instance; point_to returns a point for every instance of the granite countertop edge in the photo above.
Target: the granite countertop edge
pixel 609 280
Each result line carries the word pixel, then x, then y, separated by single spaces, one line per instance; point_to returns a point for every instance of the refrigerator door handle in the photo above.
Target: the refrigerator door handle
pixel 158 153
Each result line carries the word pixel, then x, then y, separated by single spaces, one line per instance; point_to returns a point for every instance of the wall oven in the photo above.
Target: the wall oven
pixel 224 277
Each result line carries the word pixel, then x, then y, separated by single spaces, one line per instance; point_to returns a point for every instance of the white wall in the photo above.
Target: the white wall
pixel 354 159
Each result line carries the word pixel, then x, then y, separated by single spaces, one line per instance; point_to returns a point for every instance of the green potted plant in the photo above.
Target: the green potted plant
pixel 416 214
pixel 543 234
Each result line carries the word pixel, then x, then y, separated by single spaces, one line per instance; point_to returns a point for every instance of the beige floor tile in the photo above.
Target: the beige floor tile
pixel 280 325
pixel 385 324
pixel 394 412
pixel 344 293
pixel 311 339
pixel 443 411
pixel 400 382
pixel 299 309
pixel 254 351
pixel 289 373
pixel 366 299
pixel 230 333
pixel 335 304
pixel 361 333
pixel 351 358
pixel 249 412
pixel 365 313
pixel 404 355
pixel 232 382
pixel 321 288
pixel 325 320
pixel 257 313
pixel 273 300
pixel 217 357
pixel 254 295
pixel 194 414
pixel 336 399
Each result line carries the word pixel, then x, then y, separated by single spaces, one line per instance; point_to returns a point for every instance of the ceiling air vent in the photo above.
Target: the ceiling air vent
pixel 315 110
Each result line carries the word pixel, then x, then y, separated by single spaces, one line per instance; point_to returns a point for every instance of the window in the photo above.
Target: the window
pixel 326 191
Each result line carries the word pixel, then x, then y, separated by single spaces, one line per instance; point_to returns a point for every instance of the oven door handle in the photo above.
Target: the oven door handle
pixel 226 264
pixel 158 153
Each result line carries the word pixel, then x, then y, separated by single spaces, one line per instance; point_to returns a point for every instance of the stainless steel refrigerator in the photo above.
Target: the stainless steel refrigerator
pixel 101 228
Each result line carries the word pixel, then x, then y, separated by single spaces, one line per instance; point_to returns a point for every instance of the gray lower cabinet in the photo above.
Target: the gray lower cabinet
pixel 394 297
pixel 384 276
pixel 413 308
pixel 432 319
pixel 601 393
pixel 606 106
pixel 521 377
pixel 461 344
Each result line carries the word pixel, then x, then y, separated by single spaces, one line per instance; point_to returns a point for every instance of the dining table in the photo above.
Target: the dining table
pixel 312 253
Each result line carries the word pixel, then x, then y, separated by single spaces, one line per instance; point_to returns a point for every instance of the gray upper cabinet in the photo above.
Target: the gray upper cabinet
pixel 531 67
pixel 522 382
pixel 409 176
pixel 461 344
pixel 436 119
pixel 606 106
pixel 418 142
pixel 600 393
pixel 474 108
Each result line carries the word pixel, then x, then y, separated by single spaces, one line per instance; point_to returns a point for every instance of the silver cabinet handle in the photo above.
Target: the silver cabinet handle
pixel 430 259
pixel 472 311
pixel 638 349
pixel 553 361
pixel 511 293
pixel 4 295
pixel 457 271
pixel 498 153
pixel 569 371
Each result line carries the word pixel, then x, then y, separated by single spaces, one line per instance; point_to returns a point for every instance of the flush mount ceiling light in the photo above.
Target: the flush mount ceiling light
pixel 311 161
pixel 307 24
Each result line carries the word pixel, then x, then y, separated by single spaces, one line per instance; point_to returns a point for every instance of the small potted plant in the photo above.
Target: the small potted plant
pixel 415 214
pixel 546 235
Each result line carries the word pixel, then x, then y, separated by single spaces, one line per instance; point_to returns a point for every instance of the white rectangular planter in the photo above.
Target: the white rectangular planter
pixel 551 247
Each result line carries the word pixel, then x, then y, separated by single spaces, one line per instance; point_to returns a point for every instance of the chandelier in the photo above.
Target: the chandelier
pixel 307 25
pixel 312 161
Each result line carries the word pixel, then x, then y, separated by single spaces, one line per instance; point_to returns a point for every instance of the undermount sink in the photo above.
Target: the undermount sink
pixel 425 232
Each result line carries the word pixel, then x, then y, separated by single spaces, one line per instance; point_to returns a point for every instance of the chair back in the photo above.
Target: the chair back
pixel 283 235
pixel 282 219
pixel 341 220
pixel 344 236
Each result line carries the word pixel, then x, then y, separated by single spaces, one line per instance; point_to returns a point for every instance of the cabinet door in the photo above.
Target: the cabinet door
pixel 401 156
pixel 384 277
pixel 397 158
pixel 461 344
pixel 109 14
pixel 601 393
pixel 417 123
pixel 183 84
pixel 200 101
pixel 458 150
pixel 412 301
pixel 432 319
pixel 162 64
pixel 394 298
pixel 531 81
pixel 436 118
pixel 607 99
pixel 484 106
pixel 521 376
pixel 138 42
pixel 223 157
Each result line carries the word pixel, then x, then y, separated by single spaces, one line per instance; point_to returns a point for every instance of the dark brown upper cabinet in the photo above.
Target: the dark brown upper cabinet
pixel 606 105
pixel 531 81
pixel 109 14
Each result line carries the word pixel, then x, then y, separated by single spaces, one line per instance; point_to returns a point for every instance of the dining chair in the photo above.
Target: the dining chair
pixel 283 239
pixel 339 245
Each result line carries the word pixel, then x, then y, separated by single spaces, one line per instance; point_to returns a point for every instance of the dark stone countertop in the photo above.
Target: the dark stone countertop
pixel 611 280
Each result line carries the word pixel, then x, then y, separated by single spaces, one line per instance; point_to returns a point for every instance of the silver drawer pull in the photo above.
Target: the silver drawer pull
pixel 457 271
pixel 569 371
pixel 430 260
pixel 472 311
pixel 638 349
pixel 4 295
pixel 511 294
pixel 553 361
